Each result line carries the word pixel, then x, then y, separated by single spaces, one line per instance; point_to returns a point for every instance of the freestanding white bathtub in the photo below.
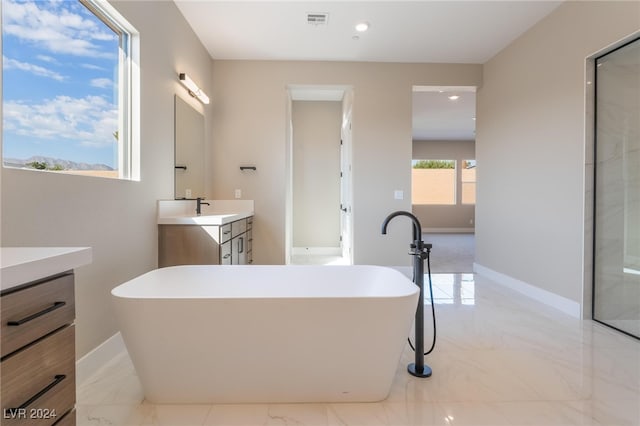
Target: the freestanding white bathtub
pixel 234 334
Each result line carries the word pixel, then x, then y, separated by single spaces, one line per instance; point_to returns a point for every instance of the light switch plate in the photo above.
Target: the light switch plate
pixel 398 194
pixel 238 193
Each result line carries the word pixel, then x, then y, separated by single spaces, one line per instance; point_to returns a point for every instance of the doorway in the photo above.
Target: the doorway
pixel 319 198
pixel 443 172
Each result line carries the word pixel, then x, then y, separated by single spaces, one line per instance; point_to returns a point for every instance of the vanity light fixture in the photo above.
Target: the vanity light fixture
pixel 193 88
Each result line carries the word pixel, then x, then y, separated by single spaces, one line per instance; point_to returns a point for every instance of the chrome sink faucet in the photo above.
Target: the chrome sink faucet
pixel 199 204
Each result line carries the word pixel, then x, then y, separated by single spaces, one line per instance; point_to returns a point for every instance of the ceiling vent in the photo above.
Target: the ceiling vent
pixel 317 18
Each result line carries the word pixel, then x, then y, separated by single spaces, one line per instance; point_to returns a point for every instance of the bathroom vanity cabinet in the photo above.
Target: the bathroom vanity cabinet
pixel 228 244
pixel 38 365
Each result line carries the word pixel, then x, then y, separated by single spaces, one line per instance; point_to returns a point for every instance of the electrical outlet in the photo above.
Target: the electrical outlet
pixel 238 193
pixel 398 194
pixel 187 193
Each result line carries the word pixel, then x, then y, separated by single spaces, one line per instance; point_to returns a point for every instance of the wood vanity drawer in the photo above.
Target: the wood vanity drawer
pixel 238 227
pixel 35 311
pixel 225 253
pixel 225 233
pixel 39 381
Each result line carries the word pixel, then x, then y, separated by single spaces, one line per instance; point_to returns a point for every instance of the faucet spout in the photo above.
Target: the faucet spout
pixel 199 204
pixel 417 228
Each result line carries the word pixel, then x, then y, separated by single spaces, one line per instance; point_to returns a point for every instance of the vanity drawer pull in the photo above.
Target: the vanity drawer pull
pixel 56 305
pixel 227 232
pixel 57 379
pixel 35 311
pixel 226 256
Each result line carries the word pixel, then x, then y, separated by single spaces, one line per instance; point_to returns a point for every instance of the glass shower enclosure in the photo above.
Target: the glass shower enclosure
pixel 616 271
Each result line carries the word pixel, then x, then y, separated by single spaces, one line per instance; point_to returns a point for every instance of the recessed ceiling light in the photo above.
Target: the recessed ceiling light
pixel 355 37
pixel 362 27
pixel 473 118
pixel 454 97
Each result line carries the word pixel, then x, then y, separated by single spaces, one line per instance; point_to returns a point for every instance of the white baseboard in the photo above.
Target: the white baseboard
pixel 561 303
pixel 100 356
pixel 317 251
pixel 449 230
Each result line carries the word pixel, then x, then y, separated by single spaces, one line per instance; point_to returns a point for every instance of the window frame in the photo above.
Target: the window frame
pixel 128 169
pixel 462 182
pixel 455 181
pixel 128 89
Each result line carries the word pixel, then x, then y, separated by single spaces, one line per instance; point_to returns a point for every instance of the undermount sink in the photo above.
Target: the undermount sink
pixel 218 212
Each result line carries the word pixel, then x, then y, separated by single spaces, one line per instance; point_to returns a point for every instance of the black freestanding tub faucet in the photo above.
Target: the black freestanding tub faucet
pixel 417 250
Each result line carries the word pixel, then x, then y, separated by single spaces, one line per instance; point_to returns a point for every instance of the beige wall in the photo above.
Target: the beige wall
pixel 116 218
pixel 458 217
pixel 250 115
pixel 316 173
pixel 530 146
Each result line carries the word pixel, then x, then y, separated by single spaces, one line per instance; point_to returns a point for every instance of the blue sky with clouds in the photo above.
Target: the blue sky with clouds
pixel 59 65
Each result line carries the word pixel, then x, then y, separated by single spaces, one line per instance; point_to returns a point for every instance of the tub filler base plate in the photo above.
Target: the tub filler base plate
pixel 426 370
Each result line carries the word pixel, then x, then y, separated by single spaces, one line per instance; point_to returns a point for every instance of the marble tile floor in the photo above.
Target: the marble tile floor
pixel 500 359
pixel 451 252
pixel 628 326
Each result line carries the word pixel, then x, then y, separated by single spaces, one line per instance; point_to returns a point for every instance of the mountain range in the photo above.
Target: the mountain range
pixel 52 162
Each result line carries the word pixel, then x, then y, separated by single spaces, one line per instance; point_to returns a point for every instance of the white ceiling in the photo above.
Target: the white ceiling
pixel 400 31
pixel 436 117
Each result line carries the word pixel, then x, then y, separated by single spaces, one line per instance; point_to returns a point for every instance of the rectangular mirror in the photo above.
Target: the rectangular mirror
pixel 189 151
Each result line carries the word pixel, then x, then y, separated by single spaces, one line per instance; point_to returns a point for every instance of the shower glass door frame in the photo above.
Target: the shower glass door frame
pixel 616 200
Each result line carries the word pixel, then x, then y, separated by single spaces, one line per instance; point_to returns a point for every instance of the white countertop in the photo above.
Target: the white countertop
pixel 20 265
pixel 215 212
pixel 205 219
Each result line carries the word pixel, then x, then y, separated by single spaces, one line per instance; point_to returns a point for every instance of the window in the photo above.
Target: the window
pixel 67 88
pixel 468 182
pixel 433 182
